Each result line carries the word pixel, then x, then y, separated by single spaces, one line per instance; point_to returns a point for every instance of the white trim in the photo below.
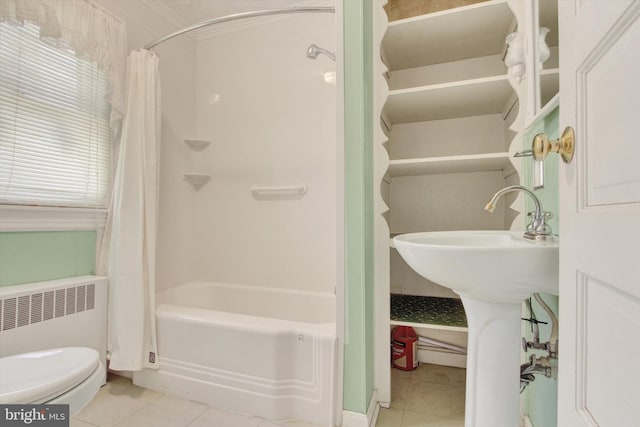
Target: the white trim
pixel 356 419
pixel 340 215
pixel 40 218
pixel 525 421
pixel 381 366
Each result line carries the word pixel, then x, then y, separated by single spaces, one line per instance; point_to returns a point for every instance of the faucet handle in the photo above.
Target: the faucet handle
pixel 538 225
pixel 533 221
pixel 542 227
pixel 543 215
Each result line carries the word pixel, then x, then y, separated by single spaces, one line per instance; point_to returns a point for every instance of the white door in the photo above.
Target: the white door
pixel 599 371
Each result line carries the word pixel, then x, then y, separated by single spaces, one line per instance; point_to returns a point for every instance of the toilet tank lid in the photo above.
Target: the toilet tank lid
pixel 40 375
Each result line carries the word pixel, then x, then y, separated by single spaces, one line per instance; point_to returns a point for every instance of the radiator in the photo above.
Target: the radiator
pixel 58 313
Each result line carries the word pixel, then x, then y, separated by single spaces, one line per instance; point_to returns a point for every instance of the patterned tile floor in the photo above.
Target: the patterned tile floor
pixel 431 310
pixel 430 396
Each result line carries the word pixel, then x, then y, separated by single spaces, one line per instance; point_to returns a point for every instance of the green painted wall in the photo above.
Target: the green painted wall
pixel 549 194
pixel 541 397
pixel 358 136
pixel 46 255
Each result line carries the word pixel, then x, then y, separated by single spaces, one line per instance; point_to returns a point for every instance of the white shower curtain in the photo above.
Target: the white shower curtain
pixel 130 238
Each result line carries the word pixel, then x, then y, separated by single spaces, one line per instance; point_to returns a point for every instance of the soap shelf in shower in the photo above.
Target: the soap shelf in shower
pixel 197 144
pixel 197 180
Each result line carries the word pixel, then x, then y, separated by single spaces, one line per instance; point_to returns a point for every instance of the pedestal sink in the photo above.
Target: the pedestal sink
pixel 493 272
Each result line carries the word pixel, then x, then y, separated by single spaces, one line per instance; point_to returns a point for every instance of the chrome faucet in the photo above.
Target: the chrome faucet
pixel 537 229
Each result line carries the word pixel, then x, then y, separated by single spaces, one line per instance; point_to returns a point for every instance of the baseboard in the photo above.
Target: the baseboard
pixel 526 421
pixel 356 419
pixel 443 358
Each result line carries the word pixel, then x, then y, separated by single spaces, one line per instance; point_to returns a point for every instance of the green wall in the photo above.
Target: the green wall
pixel 549 194
pixel 541 397
pixel 46 255
pixel 358 136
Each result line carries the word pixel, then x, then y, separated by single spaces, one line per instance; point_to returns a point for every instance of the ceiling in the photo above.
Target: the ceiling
pixel 188 12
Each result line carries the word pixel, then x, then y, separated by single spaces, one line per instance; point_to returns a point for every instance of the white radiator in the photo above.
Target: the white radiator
pixel 58 313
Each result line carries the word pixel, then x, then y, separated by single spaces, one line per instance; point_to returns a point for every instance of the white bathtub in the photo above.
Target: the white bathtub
pixel 258 351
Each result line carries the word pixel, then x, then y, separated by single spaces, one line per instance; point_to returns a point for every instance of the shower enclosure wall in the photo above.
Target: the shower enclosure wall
pixel 175 262
pixel 271 119
pixel 268 115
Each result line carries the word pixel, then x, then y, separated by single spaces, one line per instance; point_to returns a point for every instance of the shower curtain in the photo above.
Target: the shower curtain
pixel 130 237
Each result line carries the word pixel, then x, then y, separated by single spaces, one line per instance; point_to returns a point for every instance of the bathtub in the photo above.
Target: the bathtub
pixel 264 352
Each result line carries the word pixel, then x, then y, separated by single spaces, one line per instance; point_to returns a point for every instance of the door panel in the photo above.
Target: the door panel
pixel 604 354
pixel 605 120
pixel 600 214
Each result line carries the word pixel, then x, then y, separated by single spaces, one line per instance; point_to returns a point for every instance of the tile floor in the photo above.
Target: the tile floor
pixel 122 404
pixel 430 396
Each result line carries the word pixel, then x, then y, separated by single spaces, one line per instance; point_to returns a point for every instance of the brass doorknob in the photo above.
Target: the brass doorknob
pixel 565 145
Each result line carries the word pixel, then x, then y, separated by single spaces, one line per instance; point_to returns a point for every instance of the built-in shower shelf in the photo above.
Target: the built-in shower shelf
pixel 428 312
pixel 197 180
pixel 197 144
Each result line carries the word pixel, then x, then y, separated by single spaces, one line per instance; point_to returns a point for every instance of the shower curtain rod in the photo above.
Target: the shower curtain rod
pixel 227 18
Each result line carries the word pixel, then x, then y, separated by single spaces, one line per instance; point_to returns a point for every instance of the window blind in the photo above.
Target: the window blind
pixel 55 143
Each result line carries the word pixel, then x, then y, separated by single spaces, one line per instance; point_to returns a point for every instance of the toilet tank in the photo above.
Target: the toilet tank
pixel 57 313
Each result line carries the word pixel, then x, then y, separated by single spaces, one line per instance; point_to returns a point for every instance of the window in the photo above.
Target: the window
pixel 55 140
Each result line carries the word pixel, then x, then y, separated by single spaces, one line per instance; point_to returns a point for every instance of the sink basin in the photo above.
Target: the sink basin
pixel 493 272
pixel 492 266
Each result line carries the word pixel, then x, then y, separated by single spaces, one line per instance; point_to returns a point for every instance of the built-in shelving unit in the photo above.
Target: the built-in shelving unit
pixel 448 115
pixel 475 97
pixel 451 35
pixel 450 164
pixel 431 326
pixel 445 314
pixel 442 320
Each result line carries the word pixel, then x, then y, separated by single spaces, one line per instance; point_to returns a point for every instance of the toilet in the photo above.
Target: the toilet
pixel 68 375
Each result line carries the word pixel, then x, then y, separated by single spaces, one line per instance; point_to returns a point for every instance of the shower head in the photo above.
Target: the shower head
pixel 313 51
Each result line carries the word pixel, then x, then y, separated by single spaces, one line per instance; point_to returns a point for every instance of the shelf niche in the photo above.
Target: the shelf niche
pixel 197 144
pixel 197 180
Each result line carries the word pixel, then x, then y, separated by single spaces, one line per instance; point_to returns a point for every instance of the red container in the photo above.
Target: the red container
pixel 404 342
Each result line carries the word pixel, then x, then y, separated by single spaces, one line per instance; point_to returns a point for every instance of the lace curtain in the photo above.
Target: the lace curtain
pixel 86 29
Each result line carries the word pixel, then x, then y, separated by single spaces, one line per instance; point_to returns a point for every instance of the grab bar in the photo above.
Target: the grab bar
pixel 298 190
